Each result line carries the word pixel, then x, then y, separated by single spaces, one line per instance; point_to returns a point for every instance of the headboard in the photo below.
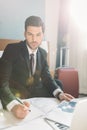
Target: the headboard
pixel 5 42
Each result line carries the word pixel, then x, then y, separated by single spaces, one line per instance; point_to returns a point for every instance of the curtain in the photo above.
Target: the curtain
pixel 62 28
pixel 72 32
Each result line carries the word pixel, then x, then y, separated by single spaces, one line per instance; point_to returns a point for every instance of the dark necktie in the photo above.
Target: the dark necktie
pixel 31 63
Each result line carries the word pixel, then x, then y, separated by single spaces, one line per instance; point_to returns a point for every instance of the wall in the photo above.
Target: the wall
pixel 13 14
pixel 51 20
pixel 78 41
pixel 78 56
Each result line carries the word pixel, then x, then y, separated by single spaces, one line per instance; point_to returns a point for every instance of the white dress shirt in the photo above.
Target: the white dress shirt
pixel 30 51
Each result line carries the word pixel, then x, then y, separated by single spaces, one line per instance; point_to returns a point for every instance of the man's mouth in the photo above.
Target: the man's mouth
pixel 34 43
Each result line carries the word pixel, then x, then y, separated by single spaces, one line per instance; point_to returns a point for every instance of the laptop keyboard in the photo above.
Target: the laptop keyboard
pixel 62 126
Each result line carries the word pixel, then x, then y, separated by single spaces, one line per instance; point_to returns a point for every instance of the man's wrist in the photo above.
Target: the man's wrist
pixel 59 94
pixel 12 104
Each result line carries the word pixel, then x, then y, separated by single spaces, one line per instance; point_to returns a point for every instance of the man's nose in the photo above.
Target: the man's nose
pixel 34 38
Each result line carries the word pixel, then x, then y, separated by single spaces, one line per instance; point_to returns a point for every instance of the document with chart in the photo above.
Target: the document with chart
pixel 63 112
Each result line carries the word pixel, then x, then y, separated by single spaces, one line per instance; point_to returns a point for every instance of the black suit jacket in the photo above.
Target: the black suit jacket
pixel 15 77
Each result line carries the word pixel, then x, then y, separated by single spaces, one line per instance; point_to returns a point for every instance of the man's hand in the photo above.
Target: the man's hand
pixel 65 96
pixel 20 111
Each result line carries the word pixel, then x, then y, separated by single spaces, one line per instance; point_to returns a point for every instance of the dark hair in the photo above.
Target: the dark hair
pixel 34 21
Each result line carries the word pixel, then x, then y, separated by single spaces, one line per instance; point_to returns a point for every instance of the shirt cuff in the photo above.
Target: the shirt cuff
pixel 56 92
pixel 12 104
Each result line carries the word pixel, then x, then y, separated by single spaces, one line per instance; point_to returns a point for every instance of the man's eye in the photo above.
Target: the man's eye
pixel 29 34
pixel 39 34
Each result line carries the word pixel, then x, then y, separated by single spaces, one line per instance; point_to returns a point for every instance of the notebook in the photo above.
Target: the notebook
pixel 78 120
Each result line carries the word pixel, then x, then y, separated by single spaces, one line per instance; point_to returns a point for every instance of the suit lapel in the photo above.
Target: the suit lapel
pixel 25 54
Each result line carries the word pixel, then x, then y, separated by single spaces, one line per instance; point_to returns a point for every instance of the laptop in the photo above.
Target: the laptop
pixel 79 118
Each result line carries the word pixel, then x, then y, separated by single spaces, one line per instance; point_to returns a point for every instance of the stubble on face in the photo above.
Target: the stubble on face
pixel 33 36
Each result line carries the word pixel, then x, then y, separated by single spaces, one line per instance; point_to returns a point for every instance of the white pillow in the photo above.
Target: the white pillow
pixel 1 52
pixel 44 45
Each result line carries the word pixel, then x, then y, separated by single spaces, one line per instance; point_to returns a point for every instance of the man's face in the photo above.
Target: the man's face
pixel 33 36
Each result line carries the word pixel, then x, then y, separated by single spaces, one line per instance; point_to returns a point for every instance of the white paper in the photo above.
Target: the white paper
pixel 4 122
pixel 40 108
pixel 37 124
pixel 34 114
pixel 44 104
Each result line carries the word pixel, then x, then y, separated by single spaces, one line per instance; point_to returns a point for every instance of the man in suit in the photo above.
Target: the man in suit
pixel 16 77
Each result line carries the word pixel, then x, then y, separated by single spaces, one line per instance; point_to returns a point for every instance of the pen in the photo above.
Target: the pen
pixel 22 103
